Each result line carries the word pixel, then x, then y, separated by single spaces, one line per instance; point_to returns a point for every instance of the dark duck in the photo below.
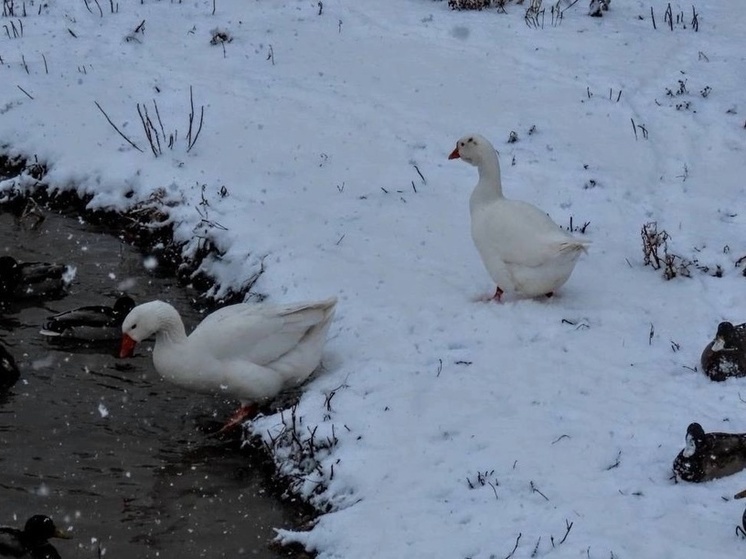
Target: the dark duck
pixel 91 323
pixel 32 541
pixel 709 456
pixel 28 280
pixel 8 369
pixel 725 356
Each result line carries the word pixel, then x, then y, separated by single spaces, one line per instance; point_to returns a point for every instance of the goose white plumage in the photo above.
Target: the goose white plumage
pixel 248 351
pixel 524 251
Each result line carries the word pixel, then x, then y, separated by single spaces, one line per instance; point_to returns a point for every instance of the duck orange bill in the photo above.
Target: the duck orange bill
pixel 128 347
pixel 454 154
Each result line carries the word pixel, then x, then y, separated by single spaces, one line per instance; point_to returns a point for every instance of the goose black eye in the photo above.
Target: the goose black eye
pixel 133 326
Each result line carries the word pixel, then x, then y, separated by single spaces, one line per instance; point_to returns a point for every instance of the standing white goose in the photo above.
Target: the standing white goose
pixel 524 251
pixel 249 351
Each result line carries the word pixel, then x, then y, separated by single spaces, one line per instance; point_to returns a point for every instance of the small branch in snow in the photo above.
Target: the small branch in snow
pixel 330 395
pixel 190 141
pixel 321 7
pixel 517 540
pixel 616 462
pixel 568 526
pixel 642 128
pixel 536 490
pixel 130 142
pixel 535 552
pixel 651 334
pixel 668 16
pixel 26 92
pixel 271 55
pixel 440 367
pixel 416 168
pixel 558 439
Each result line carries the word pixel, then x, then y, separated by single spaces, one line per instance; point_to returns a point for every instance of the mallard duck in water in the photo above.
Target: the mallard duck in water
pixel 90 323
pixel 8 369
pixel 709 456
pixel 32 540
pixel 725 356
pixel 27 280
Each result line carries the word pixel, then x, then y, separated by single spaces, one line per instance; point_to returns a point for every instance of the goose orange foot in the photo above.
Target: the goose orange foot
pixel 243 413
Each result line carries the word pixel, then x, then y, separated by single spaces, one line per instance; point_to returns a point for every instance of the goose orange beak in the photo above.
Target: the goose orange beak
pixel 128 347
pixel 454 154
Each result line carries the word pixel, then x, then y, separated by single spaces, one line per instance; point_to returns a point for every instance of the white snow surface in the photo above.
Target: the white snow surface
pixel 459 426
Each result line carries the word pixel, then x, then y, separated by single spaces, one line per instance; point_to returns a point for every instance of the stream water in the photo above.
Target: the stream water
pixel 106 447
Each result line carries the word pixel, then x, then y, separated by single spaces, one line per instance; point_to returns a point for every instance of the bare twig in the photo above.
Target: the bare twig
pixel 518 539
pixel 616 462
pixel 26 92
pixel 536 490
pixel 416 168
pixel 191 141
pixel 130 142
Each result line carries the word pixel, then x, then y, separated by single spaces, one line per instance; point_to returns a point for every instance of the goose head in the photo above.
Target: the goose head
pixel 472 148
pixel 143 321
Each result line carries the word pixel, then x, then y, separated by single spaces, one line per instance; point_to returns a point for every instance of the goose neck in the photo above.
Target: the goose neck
pixel 489 185
pixel 171 329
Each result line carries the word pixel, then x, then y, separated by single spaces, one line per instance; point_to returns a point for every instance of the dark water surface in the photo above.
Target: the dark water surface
pixel 104 445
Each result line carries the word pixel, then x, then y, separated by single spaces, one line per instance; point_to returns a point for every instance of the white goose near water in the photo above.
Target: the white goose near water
pixel 524 251
pixel 248 351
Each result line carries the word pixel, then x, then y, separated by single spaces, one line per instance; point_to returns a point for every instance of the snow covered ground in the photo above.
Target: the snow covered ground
pixel 455 428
